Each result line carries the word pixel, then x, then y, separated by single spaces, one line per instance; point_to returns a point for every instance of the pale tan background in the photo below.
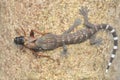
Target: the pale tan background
pixel 84 62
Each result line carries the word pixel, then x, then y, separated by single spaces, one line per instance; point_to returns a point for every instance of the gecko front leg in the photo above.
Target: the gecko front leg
pixel 76 23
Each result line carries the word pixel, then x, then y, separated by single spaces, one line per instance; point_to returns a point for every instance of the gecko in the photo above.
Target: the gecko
pixel 51 41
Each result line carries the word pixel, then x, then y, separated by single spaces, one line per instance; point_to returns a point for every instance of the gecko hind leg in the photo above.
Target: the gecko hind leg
pixel 84 12
pixel 94 41
pixel 77 22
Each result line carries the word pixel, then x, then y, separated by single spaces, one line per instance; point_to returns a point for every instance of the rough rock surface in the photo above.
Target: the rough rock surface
pixel 84 62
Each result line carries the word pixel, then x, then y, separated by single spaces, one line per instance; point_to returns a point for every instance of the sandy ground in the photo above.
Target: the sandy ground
pixel 84 62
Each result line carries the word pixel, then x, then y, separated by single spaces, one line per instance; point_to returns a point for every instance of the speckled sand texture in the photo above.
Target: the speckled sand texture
pixel 83 62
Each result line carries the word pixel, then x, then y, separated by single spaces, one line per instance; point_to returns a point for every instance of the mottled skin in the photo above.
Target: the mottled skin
pixel 51 41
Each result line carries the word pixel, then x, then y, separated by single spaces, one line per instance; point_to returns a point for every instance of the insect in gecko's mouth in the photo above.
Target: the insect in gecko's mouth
pixel 19 40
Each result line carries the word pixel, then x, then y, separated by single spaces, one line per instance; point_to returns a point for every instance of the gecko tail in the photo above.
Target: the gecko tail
pixel 115 47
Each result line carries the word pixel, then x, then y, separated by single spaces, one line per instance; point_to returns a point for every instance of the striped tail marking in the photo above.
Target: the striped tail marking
pixel 115 47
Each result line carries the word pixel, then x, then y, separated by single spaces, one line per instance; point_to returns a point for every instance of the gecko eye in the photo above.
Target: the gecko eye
pixel 19 40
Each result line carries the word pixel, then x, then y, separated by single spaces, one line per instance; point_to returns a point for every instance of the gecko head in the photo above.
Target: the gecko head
pixel 19 40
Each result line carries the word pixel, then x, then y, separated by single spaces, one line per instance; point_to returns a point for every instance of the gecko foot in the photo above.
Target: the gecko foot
pixel 84 11
pixel 96 42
